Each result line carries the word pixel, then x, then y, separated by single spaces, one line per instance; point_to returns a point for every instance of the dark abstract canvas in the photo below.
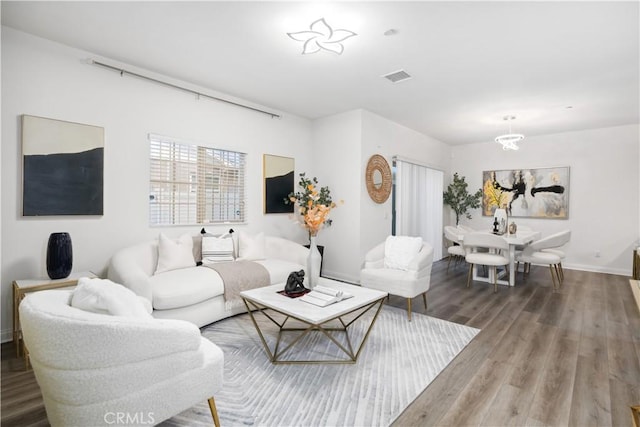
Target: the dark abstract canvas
pixel 278 183
pixel 63 167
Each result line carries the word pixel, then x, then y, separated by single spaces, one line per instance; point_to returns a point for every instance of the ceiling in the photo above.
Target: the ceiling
pixel 556 66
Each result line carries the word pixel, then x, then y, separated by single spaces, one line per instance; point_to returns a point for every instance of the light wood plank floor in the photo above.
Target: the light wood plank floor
pixel 542 358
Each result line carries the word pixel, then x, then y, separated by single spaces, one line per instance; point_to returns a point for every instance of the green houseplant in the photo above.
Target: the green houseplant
pixel 459 199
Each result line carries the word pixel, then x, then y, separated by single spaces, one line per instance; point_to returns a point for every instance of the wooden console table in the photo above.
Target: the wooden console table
pixel 24 286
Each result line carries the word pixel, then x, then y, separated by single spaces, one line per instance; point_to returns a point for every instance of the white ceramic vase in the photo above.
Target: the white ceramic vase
pixel 313 263
pixel 500 216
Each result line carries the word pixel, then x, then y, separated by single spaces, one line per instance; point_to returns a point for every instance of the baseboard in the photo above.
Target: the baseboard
pixel 6 335
pixel 598 269
pixel 341 277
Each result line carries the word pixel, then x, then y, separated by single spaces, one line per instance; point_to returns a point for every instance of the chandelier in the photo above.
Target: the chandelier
pixel 509 140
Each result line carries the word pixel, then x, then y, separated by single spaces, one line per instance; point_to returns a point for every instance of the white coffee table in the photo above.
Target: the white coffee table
pixel 332 319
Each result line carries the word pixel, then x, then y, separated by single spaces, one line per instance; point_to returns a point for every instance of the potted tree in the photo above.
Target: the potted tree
pixel 459 199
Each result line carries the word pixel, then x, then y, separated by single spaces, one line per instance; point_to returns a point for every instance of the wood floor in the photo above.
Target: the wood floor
pixel 542 358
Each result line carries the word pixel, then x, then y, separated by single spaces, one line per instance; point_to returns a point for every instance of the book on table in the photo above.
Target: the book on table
pixel 323 296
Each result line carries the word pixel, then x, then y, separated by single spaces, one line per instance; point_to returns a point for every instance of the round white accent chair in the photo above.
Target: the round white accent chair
pixel 455 249
pixel 92 367
pixel 407 281
pixel 486 249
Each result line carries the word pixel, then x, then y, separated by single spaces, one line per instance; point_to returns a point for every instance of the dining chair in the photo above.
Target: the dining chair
pixel 494 255
pixel 455 249
pixel 564 238
pixel 534 254
pixel 465 228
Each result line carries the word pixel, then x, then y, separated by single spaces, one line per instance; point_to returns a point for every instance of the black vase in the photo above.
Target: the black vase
pixel 59 256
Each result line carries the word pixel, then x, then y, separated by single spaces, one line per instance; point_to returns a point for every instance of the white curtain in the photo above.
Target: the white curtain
pixel 418 203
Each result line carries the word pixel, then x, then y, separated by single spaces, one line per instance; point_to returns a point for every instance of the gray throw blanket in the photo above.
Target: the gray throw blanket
pixel 238 276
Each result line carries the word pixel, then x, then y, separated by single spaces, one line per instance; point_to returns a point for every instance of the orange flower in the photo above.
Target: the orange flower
pixel 313 205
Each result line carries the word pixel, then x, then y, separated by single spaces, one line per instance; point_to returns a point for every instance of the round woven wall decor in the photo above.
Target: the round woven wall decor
pixel 378 178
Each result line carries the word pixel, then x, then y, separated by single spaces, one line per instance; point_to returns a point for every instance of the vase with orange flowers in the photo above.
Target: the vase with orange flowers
pixel 313 205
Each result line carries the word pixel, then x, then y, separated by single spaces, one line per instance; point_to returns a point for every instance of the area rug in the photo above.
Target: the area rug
pixel 397 363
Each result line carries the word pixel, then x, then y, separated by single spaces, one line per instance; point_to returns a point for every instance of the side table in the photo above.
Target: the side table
pixel 24 286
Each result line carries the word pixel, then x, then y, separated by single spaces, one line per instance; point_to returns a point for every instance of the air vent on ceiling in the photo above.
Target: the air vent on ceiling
pixel 397 76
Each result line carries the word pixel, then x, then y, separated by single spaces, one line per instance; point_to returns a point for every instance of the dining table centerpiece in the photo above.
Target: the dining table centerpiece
pixel 313 204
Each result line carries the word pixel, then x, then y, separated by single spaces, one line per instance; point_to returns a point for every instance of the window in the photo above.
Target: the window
pixel 194 185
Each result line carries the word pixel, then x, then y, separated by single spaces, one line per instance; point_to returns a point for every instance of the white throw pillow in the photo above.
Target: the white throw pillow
pixel 400 250
pixel 217 249
pixel 251 248
pixel 175 254
pixel 106 297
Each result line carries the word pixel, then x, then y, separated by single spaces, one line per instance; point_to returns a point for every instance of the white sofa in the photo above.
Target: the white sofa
pixel 195 294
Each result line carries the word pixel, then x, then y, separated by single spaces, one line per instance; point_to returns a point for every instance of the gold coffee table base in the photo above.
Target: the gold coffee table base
pixel 275 355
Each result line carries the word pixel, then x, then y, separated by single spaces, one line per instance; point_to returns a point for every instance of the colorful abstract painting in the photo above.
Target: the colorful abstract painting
pixel 532 193
pixel 278 183
pixel 63 167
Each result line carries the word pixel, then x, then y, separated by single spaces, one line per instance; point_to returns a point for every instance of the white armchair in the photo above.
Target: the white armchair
pixel 93 368
pixel 407 283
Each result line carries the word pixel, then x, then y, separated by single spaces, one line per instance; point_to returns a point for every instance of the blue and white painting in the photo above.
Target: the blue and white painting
pixel 63 167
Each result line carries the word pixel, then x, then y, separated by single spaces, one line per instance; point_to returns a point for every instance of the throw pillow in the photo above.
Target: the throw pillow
pixel 175 254
pixel 197 245
pixel 217 249
pixel 106 297
pixel 400 250
pixel 251 248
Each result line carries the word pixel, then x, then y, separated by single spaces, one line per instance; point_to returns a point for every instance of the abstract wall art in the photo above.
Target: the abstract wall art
pixel 63 167
pixel 532 193
pixel 278 183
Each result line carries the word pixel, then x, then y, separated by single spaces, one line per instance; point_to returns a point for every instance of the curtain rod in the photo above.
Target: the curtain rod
pixel 122 72
pixel 415 162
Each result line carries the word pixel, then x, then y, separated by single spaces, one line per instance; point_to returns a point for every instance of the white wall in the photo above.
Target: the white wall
pixel 387 138
pixel 604 189
pixel 46 79
pixel 342 145
pixel 336 156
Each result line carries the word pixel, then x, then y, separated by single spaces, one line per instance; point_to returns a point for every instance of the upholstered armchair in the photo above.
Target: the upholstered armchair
pixel 95 369
pixel 408 278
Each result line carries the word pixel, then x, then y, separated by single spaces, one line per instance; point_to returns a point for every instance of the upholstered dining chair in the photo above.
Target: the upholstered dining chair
pixel 94 369
pixel 486 249
pixel 465 228
pixel 455 248
pixel 563 238
pixel 535 253
pixel 400 265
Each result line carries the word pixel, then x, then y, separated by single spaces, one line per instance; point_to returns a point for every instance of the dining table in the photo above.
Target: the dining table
pixel 520 238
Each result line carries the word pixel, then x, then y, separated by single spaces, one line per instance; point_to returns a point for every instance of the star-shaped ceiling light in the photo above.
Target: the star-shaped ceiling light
pixel 321 37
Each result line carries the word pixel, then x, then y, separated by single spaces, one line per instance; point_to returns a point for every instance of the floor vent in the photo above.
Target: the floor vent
pixel 397 76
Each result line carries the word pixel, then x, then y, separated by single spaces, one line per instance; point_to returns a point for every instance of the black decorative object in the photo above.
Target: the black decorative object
pixel 294 283
pixel 59 255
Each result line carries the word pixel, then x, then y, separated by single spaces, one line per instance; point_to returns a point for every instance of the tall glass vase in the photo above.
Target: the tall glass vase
pixel 313 263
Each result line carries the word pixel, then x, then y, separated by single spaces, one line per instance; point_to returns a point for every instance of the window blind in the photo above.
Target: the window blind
pixel 191 184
